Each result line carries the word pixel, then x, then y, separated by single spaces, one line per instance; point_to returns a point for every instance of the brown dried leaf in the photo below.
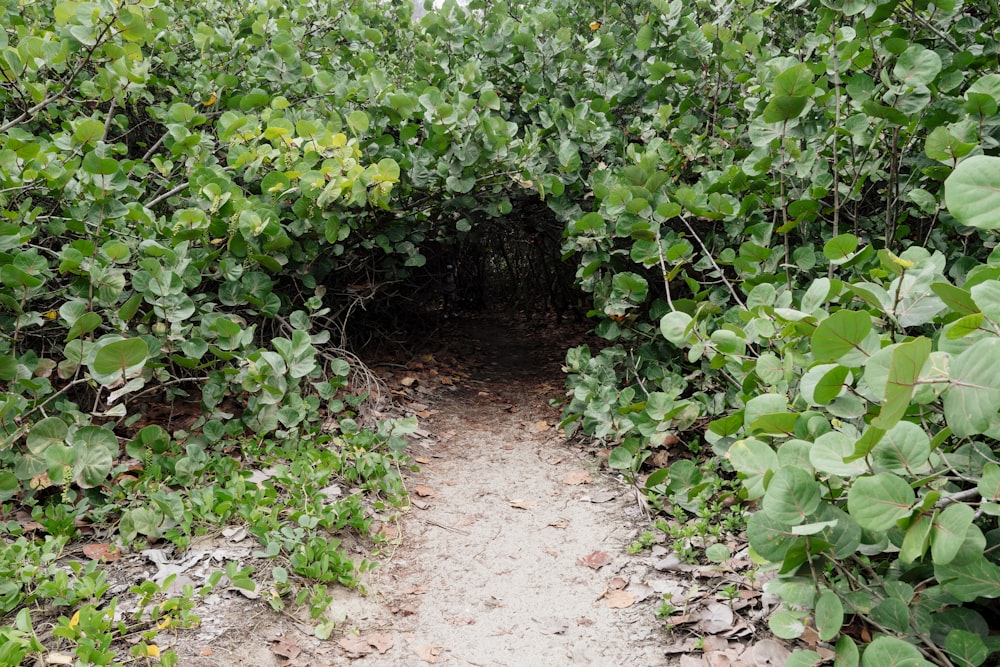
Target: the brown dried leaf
pixel 355 646
pixel 617 584
pixel 595 560
pixel 769 652
pixel 576 478
pixel 560 523
pixel 102 552
pixel 424 491
pixel 285 647
pixel 408 381
pixel 381 641
pixel 540 426
pixel 428 653
pixel 619 599
pixel 522 504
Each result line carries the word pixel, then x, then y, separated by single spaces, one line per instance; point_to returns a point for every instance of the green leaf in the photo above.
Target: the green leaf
pixel 833 453
pixel 840 248
pixel 791 496
pixel 943 146
pixel 887 651
pixel 892 614
pixel 903 449
pixel 589 222
pixel 989 483
pixel 783 108
pixel 877 502
pixel 644 38
pixel 49 431
pixel 950 527
pixel 83 325
pixel 92 465
pixel 917 66
pixel 769 538
pixel 847 654
pixel 794 81
pixel 787 624
pixel 972 192
pixel 958 299
pixel 829 615
pixel 9 485
pixel 916 540
pixel 674 327
pixel 969 580
pixel 904 370
pixel 966 649
pixel 986 297
pixel 753 460
pixel 840 334
pixel 119 359
pixel 972 400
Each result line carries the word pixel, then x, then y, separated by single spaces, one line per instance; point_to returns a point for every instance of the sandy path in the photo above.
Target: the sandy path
pixel 490 570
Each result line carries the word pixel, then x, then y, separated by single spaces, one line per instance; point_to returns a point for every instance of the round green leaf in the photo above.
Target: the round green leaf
pixel 966 648
pixel 120 358
pixel 948 533
pixel 887 651
pixel 917 66
pixel 877 502
pixel 839 248
pixel 972 192
pixel 791 496
pixel 47 432
pixel 787 624
pixel 972 400
pixel 674 327
pixel 769 538
pixel 829 452
pixel 839 334
pixel 903 449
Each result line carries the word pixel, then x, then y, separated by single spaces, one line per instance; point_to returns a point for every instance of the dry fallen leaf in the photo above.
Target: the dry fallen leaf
pixel 428 653
pixel 58 659
pixel 540 426
pixel 619 599
pixel 715 618
pixel 424 491
pixel 381 641
pixel 421 459
pixel 206 652
pixel 285 647
pixel 560 523
pixel 617 584
pixel 355 646
pixel 408 381
pixel 521 504
pixel 595 560
pixel 576 477
pixel 769 652
pixel 102 552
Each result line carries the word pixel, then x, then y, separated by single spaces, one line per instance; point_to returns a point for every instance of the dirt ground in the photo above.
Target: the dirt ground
pixel 513 552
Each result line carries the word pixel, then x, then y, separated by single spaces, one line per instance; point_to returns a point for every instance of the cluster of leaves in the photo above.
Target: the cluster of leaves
pixel 165 214
pixel 195 194
pixel 848 374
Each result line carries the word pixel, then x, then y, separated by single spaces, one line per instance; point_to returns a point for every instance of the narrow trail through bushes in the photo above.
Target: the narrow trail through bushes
pixel 514 550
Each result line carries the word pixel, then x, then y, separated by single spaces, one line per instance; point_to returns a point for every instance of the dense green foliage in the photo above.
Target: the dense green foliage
pixel 784 215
